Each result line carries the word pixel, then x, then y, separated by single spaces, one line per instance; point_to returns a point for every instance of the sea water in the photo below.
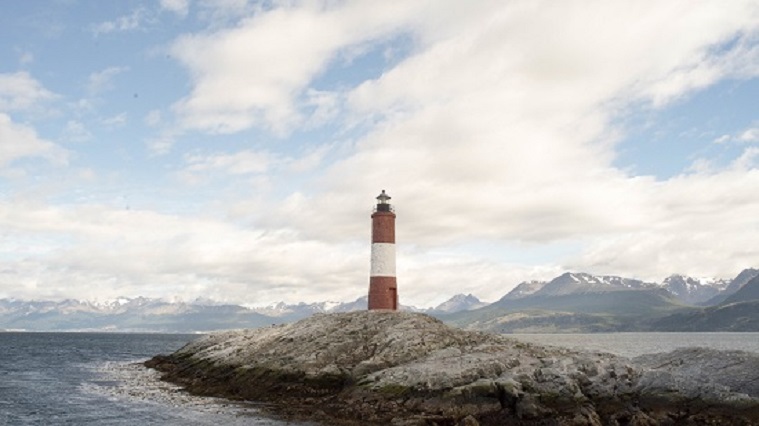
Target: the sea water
pixel 88 378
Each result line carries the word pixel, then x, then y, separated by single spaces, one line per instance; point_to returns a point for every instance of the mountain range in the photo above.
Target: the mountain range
pixel 688 290
pixel 142 314
pixel 580 302
pixel 571 302
pixel 738 312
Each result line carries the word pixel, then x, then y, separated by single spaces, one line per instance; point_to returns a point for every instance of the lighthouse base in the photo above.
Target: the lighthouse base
pixel 383 293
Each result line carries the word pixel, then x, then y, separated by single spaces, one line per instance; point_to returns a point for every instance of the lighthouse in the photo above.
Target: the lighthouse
pixel 383 289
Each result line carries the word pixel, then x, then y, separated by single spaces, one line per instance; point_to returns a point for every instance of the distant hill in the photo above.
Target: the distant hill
pixel 134 315
pixel 745 276
pixel 617 310
pixel 749 292
pixel 742 316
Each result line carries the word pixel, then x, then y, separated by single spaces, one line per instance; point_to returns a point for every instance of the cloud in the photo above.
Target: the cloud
pixel 749 135
pixel 118 120
pixel 702 223
pixel 249 162
pixel 162 143
pixel 325 107
pixel 70 252
pixel 153 118
pixel 18 141
pixel 130 22
pixel 503 129
pixel 75 131
pixel 748 160
pixel 310 160
pixel 200 257
pixel 103 80
pixel 494 130
pixel 25 58
pixel 239 163
pixel 180 7
pixel 243 77
pixel 223 12
pixel 19 91
pixel 254 74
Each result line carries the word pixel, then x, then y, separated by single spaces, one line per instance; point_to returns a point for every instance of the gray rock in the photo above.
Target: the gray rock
pixel 406 368
pixel 704 370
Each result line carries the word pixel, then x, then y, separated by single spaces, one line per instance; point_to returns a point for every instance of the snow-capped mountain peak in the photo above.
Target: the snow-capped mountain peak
pixel 581 282
pixel 524 289
pixel 692 290
pixel 734 286
pixel 460 302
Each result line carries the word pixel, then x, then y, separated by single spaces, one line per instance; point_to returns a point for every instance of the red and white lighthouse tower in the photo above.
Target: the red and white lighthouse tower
pixel 383 289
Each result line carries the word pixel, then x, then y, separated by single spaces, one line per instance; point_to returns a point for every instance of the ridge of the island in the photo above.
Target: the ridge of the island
pixel 399 368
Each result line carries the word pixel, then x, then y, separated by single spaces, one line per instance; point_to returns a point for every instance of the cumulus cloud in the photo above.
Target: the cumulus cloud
pixel 701 223
pixel 180 7
pixel 199 256
pixel 18 141
pixel 19 91
pixel 505 131
pixel 749 135
pixel 254 73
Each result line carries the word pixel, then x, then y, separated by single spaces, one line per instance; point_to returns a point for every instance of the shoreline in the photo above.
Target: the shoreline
pixel 131 381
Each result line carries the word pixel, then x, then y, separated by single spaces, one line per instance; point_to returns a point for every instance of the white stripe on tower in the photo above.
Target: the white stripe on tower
pixel 383 260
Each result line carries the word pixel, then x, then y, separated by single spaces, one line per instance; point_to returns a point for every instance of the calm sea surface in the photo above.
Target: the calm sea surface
pixel 83 378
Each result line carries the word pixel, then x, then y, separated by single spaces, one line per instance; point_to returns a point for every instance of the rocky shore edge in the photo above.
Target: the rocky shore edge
pixel 411 369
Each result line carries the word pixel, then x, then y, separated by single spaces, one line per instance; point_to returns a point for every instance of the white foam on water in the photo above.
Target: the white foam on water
pixel 133 382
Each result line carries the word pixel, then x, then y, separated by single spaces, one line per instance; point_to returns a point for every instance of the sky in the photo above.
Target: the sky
pixel 232 150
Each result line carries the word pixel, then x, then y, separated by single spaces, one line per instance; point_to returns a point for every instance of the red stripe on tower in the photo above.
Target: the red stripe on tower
pixel 383 288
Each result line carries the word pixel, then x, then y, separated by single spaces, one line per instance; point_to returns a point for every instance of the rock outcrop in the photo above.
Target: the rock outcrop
pixel 736 371
pixel 408 369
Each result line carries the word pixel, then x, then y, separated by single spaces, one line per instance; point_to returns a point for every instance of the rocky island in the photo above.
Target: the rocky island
pixel 400 368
